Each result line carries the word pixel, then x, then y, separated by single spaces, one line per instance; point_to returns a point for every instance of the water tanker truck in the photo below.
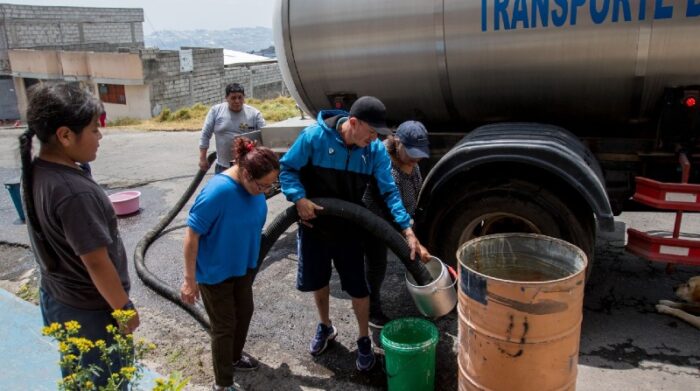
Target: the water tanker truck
pixel 541 113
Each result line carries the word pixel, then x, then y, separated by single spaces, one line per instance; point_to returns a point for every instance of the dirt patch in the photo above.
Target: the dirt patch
pixel 182 348
pixel 18 272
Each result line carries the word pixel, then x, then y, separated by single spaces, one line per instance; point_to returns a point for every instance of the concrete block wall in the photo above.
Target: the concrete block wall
pixel 69 28
pixel 107 32
pixel 261 81
pixel 172 89
pixel 4 57
pixel 160 64
pixel 207 88
pixel 89 47
pixel 206 59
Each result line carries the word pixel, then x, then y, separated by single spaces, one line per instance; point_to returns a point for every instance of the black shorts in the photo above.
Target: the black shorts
pixel 315 255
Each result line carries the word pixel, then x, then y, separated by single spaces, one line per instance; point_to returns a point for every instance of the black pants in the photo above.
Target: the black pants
pixel 229 305
pixel 375 267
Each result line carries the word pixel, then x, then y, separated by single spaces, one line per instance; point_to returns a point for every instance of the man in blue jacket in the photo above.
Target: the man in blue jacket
pixel 337 157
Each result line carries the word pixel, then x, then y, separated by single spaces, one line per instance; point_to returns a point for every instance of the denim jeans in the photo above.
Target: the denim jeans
pixel 93 325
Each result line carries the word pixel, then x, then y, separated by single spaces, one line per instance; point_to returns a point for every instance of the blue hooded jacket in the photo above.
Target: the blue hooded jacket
pixel 319 164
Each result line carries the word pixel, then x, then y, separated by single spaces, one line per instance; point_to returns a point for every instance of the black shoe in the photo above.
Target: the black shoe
pixel 365 356
pixel 377 319
pixel 234 387
pixel 246 364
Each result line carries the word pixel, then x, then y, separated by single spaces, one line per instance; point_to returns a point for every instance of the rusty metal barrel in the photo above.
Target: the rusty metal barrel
pixel 520 311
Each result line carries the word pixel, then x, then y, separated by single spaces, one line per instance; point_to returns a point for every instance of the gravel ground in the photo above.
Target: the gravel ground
pixel 625 344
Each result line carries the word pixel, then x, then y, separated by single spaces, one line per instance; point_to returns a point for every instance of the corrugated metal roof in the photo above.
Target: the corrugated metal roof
pixel 232 57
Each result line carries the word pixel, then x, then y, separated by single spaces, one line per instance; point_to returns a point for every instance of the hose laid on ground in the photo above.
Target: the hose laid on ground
pixel 374 224
pixel 149 279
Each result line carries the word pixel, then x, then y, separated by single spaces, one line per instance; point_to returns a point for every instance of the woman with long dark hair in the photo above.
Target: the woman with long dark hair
pixel 72 225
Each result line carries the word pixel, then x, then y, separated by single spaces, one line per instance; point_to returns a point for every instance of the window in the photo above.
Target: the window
pixel 112 93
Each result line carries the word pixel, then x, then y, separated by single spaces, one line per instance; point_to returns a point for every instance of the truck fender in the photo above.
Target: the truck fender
pixel 543 146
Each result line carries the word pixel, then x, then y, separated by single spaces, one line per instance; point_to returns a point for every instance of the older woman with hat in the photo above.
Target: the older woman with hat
pixel 406 147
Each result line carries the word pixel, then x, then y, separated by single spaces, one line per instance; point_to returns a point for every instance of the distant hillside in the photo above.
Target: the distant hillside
pixel 245 39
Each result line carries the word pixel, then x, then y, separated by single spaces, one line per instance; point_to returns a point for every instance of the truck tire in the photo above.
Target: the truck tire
pixel 508 205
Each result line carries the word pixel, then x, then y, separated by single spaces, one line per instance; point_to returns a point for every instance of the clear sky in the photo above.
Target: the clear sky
pixel 182 14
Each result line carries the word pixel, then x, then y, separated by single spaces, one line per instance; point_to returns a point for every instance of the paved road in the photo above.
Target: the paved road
pixel 624 343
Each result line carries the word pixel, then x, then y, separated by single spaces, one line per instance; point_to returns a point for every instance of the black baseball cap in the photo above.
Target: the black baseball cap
pixel 371 110
pixel 414 138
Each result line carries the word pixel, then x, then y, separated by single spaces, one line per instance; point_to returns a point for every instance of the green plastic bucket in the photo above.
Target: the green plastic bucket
pixel 409 350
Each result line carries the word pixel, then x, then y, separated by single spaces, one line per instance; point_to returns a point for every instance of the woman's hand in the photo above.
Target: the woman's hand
pixel 424 254
pixel 132 324
pixel 189 291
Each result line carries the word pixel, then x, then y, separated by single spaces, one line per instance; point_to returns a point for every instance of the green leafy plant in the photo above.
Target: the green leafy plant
pixel 276 109
pixel 173 383
pixel 199 110
pixel 164 115
pixel 181 114
pixel 130 352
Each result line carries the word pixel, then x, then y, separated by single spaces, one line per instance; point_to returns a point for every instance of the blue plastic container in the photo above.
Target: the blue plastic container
pixel 13 188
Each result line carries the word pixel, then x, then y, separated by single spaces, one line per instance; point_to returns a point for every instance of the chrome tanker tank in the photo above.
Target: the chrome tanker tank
pixel 589 62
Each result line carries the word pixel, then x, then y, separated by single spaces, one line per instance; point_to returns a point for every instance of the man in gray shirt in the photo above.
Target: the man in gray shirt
pixel 227 121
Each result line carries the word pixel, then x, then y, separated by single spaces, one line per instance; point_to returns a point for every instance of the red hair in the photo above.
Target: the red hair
pixel 258 161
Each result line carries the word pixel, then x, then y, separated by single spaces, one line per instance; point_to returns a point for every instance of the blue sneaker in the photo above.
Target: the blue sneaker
pixel 365 356
pixel 323 335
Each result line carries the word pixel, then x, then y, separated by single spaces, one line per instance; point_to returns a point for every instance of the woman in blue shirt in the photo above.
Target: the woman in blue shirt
pixel 221 248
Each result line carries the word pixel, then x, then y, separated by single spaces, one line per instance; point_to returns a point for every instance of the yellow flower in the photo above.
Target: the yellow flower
pixel 123 316
pixel 151 346
pixel 63 347
pixel 127 372
pixel 69 358
pixel 51 329
pixel 111 329
pixel 83 344
pixel 89 385
pixel 72 326
pixel 101 344
pixel 70 379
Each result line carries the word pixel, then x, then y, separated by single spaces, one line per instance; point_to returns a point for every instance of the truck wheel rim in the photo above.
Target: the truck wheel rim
pixel 499 222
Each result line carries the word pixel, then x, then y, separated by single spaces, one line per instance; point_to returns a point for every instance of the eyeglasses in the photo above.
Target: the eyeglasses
pixel 265 187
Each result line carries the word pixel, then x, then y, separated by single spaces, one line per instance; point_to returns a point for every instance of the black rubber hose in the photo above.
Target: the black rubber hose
pixel 149 279
pixel 374 224
pixel 363 217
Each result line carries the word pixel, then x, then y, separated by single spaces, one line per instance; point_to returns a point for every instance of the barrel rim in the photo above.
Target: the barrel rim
pixel 562 242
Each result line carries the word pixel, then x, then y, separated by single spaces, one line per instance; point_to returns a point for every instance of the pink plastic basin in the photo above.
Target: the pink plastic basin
pixel 125 202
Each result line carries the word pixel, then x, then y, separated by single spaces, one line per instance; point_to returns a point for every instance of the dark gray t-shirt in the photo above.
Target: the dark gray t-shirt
pixel 75 217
